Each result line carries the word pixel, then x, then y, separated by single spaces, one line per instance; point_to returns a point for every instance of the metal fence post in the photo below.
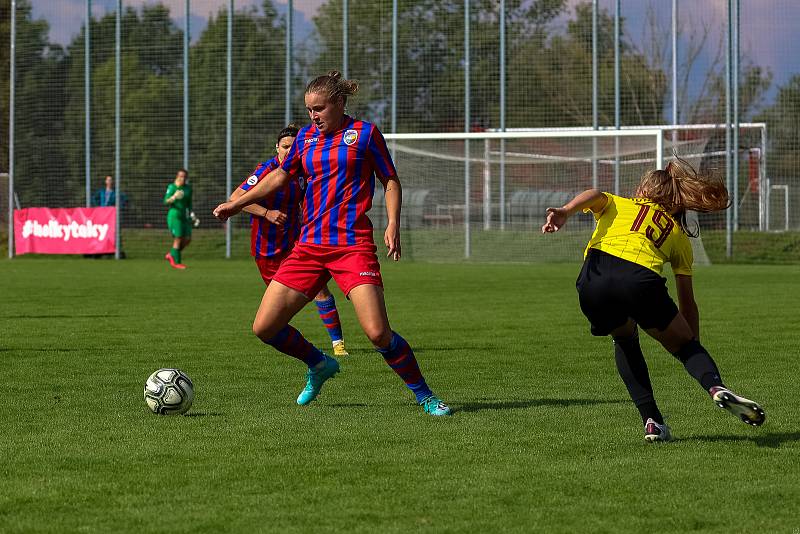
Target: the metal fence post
pixel 674 70
pixel 287 115
pixel 594 93
pixel 502 114
pixel 487 185
pixel 394 68
pixel 117 111
pixel 467 121
pixel 228 122
pixel 617 118
pixel 728 85
pixel 186 89
pixel 735 98
pixel 87 101
pixel 12 81
pixel 345 20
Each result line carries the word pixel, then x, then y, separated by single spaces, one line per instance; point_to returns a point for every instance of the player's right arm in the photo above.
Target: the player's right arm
pixel 591 199
pixel 687 304
pixel 169 196
pixel 271 183
pixel 276 217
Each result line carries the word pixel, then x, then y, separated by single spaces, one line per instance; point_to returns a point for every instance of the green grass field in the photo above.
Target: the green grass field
pixel 543 438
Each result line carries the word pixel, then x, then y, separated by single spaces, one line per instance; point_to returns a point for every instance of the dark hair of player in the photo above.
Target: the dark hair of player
pixel 289 131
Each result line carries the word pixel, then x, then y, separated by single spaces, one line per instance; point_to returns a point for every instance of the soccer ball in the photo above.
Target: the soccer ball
pixel 169 392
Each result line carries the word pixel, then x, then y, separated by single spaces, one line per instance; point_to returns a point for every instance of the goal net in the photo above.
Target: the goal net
pixel 483 196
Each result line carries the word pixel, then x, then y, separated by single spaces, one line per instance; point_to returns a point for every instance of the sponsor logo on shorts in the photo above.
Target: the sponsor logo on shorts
pixel 369 273
pixel 253 180
pixel 350 137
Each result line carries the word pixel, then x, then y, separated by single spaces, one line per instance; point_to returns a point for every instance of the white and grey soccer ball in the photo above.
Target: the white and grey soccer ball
pixel 169 392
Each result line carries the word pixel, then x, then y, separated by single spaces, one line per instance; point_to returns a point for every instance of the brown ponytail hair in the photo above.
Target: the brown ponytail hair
pixel 333 86
pixel 679 188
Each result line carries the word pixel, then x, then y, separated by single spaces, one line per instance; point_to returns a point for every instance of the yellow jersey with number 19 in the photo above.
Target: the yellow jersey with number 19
pixel 641 231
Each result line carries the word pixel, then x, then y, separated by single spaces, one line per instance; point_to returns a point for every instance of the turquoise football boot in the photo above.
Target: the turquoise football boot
pixel 315 379
pixel 433 405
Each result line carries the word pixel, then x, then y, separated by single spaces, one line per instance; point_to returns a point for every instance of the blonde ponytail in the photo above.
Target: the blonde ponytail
pixel 679 188
pixel 333 86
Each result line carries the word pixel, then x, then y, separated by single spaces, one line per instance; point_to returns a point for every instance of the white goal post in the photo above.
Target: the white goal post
pixel 490 186
pixel 486 185
pixel 757 144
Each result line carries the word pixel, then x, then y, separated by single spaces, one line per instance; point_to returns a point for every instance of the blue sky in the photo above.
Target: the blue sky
pixel 66 16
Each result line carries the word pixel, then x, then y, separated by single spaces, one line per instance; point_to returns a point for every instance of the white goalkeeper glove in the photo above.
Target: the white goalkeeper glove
pixel 178 194
pixel 195 220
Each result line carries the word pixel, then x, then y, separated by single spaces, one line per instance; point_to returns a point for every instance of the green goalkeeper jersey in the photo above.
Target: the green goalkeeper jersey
pixel 182 205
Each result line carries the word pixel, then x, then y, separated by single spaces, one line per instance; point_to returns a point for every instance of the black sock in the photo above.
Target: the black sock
pixel 633 370
pixel 649 410
pixel 699 364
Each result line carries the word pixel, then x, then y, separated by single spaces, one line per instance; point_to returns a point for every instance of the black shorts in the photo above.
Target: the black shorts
pixel 612 290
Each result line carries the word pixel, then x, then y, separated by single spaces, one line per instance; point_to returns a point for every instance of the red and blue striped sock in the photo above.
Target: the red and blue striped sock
pixel 290 341
pixel 401 359
pixel 330 317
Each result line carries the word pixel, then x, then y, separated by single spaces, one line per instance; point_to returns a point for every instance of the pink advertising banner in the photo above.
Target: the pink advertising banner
pixel 65 230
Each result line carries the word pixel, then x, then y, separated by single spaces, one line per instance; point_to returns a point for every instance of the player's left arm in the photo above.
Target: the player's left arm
pixel 686 302
pixel 393 194
pixel 190 211
pixel 681 260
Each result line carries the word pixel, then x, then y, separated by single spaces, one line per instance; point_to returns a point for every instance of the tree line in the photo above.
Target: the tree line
pixel 548 67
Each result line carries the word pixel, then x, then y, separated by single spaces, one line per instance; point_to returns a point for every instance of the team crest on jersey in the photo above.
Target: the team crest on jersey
pixel 253 180
pixel 350 137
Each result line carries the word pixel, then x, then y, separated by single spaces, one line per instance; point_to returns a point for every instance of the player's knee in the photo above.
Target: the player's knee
pixel 379 335
pixel 264 331
pixel 689 349
pixel 323 294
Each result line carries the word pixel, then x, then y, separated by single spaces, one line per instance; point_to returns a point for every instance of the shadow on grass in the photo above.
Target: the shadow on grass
pixel 61 316
pixel 771 440
pixel 43 349
pixel 487 404
pixel 484 348
pixel 347 405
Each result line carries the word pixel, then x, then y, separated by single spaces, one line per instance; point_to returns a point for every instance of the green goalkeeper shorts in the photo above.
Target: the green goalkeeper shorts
pixel 179 225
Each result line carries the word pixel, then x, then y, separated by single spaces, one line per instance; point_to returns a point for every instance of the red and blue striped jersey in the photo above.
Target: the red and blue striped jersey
pixel 266 239
pixel 340 171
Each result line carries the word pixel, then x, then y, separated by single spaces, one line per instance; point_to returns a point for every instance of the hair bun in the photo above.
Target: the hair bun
pixel 335 74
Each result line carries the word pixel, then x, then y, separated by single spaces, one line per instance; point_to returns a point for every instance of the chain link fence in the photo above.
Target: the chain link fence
pixel 424 66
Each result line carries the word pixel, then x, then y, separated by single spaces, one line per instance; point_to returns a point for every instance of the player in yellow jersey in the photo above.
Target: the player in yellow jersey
pixel 620 285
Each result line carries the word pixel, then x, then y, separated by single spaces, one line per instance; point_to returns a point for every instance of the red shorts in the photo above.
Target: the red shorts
pixel 309 267
pixel 269 266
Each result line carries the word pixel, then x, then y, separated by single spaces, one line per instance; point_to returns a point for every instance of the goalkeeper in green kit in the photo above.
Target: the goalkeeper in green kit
pixel 180 217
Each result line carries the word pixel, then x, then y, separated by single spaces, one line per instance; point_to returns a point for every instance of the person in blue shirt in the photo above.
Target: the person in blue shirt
pixel 107 196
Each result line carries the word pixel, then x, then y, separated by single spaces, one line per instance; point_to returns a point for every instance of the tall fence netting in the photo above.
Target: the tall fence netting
pixel 549 74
